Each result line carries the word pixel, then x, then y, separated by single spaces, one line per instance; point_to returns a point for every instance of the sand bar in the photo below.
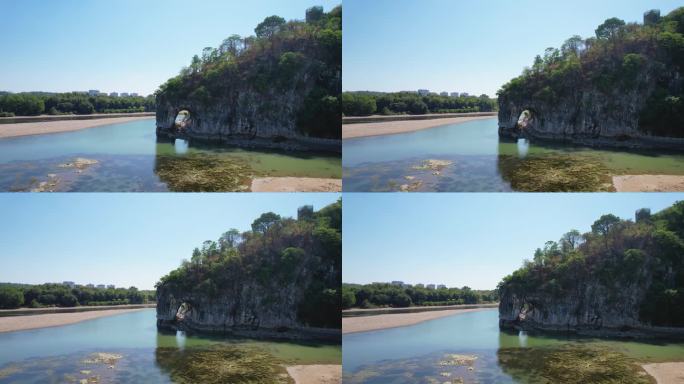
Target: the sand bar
pixel 316 374
pixel 295 184
pixel 22 323
pixel 43 127
pixel 648 183
pixel 350 131
pixel 394 320
pixel 666 373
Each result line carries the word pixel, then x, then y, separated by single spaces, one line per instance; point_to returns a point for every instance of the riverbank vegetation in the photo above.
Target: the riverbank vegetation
pixel 60 295
pixel 283 59
pixel 645 60
pixel 39 103
pixel 301 256
pixel 389 295
pixel 644 257
pixel 397 103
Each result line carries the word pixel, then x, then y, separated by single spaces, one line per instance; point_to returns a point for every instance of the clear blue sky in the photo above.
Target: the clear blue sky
pixel 465 46
pixel 471 239
pixel 123 45
pixel 123 239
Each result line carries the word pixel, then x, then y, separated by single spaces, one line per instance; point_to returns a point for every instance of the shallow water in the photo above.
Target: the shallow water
pixel 129 158
pixel 480 161
pixel 59 354
pixel 413 354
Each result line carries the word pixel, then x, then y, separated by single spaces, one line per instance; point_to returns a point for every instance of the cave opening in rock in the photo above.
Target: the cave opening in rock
pixel 183 311
pixel 183 120
pixel 525 119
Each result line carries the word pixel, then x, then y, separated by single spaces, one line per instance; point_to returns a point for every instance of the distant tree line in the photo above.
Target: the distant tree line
pixel 621 58
pixel 59 295
pixel 369 103
pixel 389 295
pixel 38 103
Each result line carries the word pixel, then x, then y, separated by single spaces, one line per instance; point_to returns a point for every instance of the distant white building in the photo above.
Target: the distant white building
pixel 70 284
pixel 114 94
pixel 93 92
pixel 445 94
pixel 441 286
pixel 111 286
pixel 423 92
pixel 454 94
pixel 464 94
pixel 420 285
pixel 406 285
pixel 124 94
pixel 134 94
pixel 430 286
pixel 397 282
pixel 100 286
pixel 90 286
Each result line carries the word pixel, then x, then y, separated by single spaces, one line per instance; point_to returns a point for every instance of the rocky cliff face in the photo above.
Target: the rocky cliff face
pixel 622 88
pixel 244 116
pixel 585 117
pixel 278 89
pixel 593 311
pixel 621 280
pixel 281 279
pixel 248 309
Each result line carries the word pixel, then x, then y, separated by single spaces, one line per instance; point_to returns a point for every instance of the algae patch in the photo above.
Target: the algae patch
pixel 203 173
pixel 221 364
pixel 555 173
pixel 570 364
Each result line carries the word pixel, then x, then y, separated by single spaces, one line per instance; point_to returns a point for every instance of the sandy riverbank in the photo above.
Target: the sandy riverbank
pixel 394 320
pixel 666 373
pixel 22 323
pixel 350 131
pixel 43 127
pixel 295 184
pixel 648 183
pixel 316 374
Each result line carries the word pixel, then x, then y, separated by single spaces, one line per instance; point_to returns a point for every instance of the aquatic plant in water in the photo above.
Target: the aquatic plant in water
pixel 437 368
pixel 570 364
pixel 555 173
pixel 221 364
pixel 203 173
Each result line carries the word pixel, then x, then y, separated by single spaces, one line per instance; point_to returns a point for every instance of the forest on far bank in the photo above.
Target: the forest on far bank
pixel 411 103
pixel 61 295
pixel 377 295
pixel 73 103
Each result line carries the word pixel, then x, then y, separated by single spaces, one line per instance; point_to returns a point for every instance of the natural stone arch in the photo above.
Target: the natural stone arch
pixel 184 118
pixel 183 311
pixel 526 118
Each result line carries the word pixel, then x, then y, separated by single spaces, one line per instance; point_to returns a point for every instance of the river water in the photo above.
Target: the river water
pixel 472 158
pixel 127 157
pixel 127 348
pixel 470 347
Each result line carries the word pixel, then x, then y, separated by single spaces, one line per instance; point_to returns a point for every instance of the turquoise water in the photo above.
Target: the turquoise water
pixel 477 159
pixel 414 352
pixel 129 158
pixel 59 354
